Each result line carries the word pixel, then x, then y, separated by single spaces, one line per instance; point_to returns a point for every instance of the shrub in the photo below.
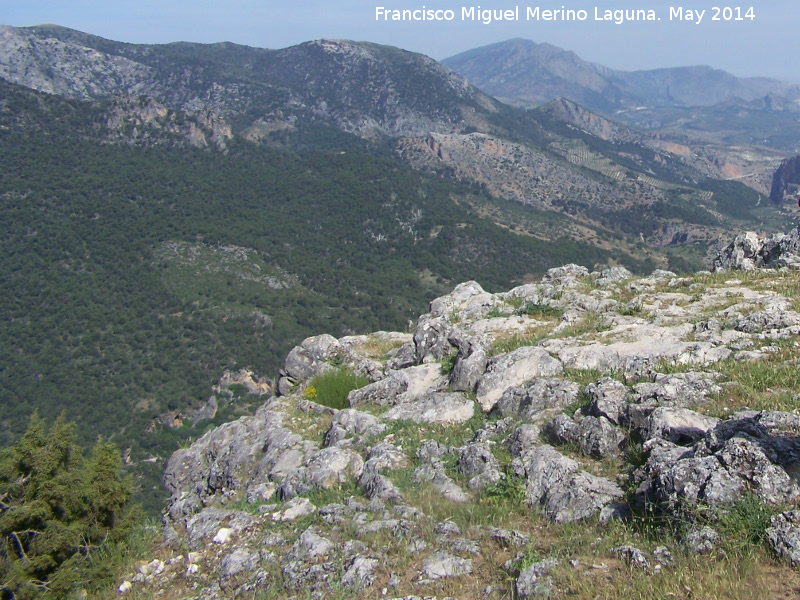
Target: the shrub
pixel 332 387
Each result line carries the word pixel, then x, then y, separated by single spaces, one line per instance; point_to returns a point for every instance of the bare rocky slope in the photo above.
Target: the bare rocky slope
pixel 597 397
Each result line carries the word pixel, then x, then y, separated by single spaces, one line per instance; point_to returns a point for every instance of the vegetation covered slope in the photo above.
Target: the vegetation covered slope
pixel 134 276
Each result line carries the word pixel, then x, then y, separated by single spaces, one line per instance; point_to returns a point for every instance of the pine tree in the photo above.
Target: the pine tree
pixel 56 510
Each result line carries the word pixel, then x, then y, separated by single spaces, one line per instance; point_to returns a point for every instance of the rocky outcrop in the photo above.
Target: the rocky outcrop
pixel 785 178
pixel 749 251
pixel 245 496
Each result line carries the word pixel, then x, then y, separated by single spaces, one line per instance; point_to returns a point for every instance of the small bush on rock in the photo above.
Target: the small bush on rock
pixel 332 387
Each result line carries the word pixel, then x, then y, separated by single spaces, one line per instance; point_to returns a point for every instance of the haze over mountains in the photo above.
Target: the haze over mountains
pixel 694 100
pixel 173 211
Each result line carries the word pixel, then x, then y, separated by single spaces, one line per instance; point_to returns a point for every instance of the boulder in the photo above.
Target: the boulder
pixel 431 339
pixel 513 369
pixel 532 401
pixel 597 437
pixel 566 494
pixel 479 464
pixel 467 302
pixel 679 425
pixel 681 390
pixel 608 398
pixel 532 581
pixel 434 474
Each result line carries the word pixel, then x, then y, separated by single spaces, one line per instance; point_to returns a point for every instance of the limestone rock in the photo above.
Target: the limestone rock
pixel 515 368
pixel 478 463
pixel 529 402
pixel 702 541
pixel 468 370
pixel 443 564
pixel 431 339
pixel 435 475
pixel 438 407
pixel 349 422
pixel 681 390
pixel 565 493
pixel 609 399
pixel 361 572
pixel 784 536
pixel 532 581
pixel 238 561
pixel 678 425
pixel 523 439
pixel 597 437
pixel 632 556
pixel 310 545
pixel 467 301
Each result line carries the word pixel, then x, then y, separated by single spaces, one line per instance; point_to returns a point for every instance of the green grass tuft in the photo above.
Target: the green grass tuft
pixel 330 388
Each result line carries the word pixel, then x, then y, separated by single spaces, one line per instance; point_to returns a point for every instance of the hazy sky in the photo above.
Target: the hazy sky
pixel 766 45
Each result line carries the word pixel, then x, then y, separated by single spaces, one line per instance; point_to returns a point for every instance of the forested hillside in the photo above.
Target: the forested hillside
pixel 134 276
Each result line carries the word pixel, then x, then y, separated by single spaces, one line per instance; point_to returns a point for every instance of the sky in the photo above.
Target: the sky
pixel 766 45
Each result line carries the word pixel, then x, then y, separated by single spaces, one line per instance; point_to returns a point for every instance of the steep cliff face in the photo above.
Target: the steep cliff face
pixel 786 179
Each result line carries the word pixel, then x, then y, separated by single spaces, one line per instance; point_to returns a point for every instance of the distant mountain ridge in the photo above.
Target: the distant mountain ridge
pixel 335 94
pixel 360 88
pixel 522 71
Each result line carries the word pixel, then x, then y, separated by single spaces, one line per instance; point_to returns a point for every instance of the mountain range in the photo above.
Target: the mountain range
pixel 175 212
pixel 697 100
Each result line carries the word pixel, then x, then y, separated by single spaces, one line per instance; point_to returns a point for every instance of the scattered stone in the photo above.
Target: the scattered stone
pixel 447 528
pixel 532 582
pixel 565 493
pixel 223 535
pixel 125 587
pixel 523 439
pixel 702 541
pixel 691 459
pixel 508 539
pixel 561 430
pixel 663 556
pixel 443 564
pixel 478 462
pixel 361 572
pixel 632 556
pixel 678 425
pixel 609 399
pixel 530 402
pixel 435 475
pixel 310 545
pixel 295 508
pixel 237 561
pixel 597 437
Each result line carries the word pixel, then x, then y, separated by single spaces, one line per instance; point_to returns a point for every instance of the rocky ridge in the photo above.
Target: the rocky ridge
pixel 586 396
